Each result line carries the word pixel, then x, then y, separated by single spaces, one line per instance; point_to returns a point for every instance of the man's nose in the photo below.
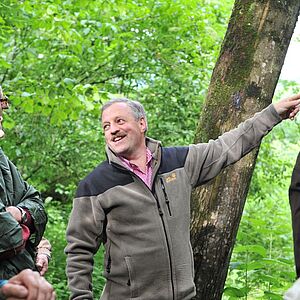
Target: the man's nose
pixel 114 128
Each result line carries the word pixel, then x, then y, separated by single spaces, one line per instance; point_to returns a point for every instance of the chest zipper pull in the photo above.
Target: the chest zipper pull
pixel 166 196
pixel 158 205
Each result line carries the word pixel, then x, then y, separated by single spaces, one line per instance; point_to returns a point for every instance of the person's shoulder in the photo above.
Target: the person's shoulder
pixel 6 163
pixel 175 152
pixel 99 171
pixel 3 156
pixel 104 177
pixel 86 185
pixel 173 158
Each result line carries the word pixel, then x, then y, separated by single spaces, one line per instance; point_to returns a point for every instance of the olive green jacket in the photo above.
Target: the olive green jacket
pixel 14 191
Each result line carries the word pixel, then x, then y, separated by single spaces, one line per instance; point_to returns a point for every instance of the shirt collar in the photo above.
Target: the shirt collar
pixel 149 157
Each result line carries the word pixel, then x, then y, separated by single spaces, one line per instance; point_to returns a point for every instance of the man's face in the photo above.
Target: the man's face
pixel 123 133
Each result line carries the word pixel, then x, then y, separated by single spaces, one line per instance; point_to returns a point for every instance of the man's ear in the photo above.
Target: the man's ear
pixel 143 124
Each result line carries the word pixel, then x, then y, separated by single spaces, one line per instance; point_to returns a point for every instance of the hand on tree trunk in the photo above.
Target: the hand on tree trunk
pixel 288 107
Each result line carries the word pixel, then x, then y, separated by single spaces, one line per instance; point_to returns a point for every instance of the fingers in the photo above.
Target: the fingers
pixel 294 113
pixel 42 263
pixel 288 107
pixel 294 97
pixel 30 280
pixel 37 286
pixel 293 103
pixel 45 291
pixel 42 270
pixel 14 291
pixel 14 298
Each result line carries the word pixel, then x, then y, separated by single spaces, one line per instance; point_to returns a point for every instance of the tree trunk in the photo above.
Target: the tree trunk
pixel 243 82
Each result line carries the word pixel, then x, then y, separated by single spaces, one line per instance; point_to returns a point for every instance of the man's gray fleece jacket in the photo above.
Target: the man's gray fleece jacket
pixel 145 231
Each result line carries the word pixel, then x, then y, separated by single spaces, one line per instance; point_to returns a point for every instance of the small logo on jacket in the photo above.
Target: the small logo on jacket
pixel 171 177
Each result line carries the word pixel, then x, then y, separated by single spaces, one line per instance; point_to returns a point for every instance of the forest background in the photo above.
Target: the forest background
pixel 60 60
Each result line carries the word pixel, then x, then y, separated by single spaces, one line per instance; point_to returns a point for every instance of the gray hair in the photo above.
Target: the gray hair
pixel 136 107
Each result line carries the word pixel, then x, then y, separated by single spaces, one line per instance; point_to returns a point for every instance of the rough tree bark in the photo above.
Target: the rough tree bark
pixel 243 82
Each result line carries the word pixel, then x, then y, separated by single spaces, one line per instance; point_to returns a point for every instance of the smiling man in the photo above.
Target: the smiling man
pixel 137 203
pixel 125 132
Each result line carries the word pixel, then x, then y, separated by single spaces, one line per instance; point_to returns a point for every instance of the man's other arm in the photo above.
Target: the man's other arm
pixel 84 236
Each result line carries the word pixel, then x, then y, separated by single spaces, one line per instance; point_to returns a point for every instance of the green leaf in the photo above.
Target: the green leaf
pixel 26 94
pixel 251 248
pixel 69 81
pixel 272 296
pixel 234 292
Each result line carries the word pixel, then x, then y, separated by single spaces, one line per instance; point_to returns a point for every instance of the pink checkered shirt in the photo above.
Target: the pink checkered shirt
pixel 145 176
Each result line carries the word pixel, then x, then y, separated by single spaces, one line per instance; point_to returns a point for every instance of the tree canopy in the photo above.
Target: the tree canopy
pixel 61 59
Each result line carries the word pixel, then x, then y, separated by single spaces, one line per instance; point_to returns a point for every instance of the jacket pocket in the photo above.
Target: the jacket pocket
pixel 107 258
pixel 131 278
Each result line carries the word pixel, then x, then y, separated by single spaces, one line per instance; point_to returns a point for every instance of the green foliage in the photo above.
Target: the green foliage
pixel 64 57
pixel 54 158
pixel 60 60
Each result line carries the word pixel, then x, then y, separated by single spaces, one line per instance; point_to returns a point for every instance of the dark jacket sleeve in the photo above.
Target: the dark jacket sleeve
pixel 26 196
pixel 294 197
pixel 10 233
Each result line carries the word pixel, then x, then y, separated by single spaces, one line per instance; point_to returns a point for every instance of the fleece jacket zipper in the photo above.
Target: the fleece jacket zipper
pixel 166 196
pixel 161 214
